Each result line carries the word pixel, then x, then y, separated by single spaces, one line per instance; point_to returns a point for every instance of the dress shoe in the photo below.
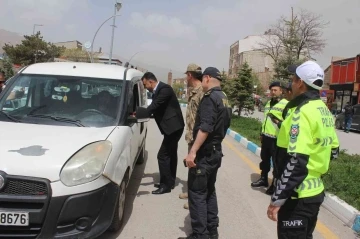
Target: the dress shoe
pixel 157 185
pixel 194 236
pixel 262 182
pixel 213 235
pixel 162 190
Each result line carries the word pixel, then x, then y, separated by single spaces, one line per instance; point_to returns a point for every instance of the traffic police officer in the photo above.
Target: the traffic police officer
pixel 287 93
pixel 204 159
pixel 277 120
pixel 268 134
pixel 309 137
pixel 276 116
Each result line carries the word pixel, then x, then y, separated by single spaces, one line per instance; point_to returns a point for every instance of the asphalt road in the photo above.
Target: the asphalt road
pixel 348 141
pixel 242 209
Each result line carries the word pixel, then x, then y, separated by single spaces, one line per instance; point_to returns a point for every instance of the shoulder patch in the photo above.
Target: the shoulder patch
pixel 294 131
pixel 225 102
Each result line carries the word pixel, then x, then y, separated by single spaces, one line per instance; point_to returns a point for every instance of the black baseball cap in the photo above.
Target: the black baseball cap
pixel 292 68
pixel 212 72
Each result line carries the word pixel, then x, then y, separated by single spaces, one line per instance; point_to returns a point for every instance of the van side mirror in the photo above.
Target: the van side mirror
pixel 141 115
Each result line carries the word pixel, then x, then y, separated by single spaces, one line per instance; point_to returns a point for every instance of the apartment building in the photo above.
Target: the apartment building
pixel 70 44
pixel 249 50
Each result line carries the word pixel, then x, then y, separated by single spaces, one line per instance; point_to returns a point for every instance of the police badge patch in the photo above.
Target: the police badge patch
pixel 294 131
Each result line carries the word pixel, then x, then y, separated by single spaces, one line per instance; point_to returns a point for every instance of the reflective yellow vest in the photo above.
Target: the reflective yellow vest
pixel 283 135
pixel 268 128
pixel 317 139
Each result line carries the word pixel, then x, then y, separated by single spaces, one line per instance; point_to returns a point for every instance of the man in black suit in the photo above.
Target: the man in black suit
pixel 166 110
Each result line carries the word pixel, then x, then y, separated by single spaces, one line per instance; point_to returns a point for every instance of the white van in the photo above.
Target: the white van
pixel 68 148
pixel 149 97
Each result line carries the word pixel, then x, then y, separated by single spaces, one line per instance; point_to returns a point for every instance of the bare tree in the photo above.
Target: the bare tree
pixel 309 31
pixel 301 35
pixel 271 45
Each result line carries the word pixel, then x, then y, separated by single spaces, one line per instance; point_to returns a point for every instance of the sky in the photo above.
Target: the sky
pixel 170 34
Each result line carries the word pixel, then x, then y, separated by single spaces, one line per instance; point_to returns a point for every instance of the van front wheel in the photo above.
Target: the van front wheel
pixel 119 209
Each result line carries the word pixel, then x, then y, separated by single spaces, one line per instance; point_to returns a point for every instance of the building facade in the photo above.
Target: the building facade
pixel 169 81
pixel 70 44
pixel 345 80
pixel 249 50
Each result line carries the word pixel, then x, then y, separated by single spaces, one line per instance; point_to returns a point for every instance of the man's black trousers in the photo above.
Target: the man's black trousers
pixel 297 217
pixel 267 151
pixel 201 190
pixel 168 158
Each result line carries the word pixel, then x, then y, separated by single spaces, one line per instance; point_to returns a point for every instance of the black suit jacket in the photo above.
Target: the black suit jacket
pixel 166 109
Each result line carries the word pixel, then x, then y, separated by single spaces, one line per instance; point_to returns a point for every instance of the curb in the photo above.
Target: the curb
pixel 349 215
pixel 245 142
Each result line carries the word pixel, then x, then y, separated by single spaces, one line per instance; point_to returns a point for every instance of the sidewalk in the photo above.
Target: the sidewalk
pixel 348 141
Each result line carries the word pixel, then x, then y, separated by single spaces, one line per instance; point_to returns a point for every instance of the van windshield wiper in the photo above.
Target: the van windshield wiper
pixel 9 116
pixel 36 109
pixel 57 118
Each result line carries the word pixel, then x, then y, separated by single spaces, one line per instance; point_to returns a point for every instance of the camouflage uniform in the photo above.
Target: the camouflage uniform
pixel 195 97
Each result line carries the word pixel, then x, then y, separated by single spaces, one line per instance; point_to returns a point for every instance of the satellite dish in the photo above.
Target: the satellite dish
pixel 87 45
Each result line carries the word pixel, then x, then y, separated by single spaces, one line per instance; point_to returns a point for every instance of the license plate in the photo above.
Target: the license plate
pixel 14 219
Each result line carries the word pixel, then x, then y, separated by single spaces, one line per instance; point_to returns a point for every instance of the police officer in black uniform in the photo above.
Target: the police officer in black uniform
pixel 204 159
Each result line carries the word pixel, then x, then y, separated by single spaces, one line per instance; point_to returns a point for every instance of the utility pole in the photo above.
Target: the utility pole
pixel 117 7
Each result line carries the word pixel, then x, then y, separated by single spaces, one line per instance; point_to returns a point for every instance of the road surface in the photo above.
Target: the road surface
pixel 348 141
pixel 242 209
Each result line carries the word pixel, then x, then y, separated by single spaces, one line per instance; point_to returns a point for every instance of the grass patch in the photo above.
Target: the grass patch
pixel 343 177
pixel 247 127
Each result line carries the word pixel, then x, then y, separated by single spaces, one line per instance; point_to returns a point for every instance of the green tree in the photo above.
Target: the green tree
pixel 225 85
pixel 177 89
pixel 32 49
pixel 258 87
pixel 7 68
pixel 241 90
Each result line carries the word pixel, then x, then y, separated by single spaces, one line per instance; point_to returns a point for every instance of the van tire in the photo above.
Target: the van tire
pixel 118 217
pixel 141 158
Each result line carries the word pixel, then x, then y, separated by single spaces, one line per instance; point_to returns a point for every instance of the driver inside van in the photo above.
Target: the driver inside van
pixel 106 103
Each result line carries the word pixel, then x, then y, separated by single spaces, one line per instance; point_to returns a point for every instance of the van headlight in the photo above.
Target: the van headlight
pixel 86 165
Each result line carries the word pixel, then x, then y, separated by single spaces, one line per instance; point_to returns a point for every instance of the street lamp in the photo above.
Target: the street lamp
pixel 116 8
pixel 36 25
pixel 92 43
pixel 127 63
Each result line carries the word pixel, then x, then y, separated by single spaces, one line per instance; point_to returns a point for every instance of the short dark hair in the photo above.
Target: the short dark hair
pixel 317 83
pixel 2 73
pixel 149 76
pixel 196 75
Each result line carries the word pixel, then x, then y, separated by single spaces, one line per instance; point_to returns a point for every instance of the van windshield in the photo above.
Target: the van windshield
pixel 61 100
